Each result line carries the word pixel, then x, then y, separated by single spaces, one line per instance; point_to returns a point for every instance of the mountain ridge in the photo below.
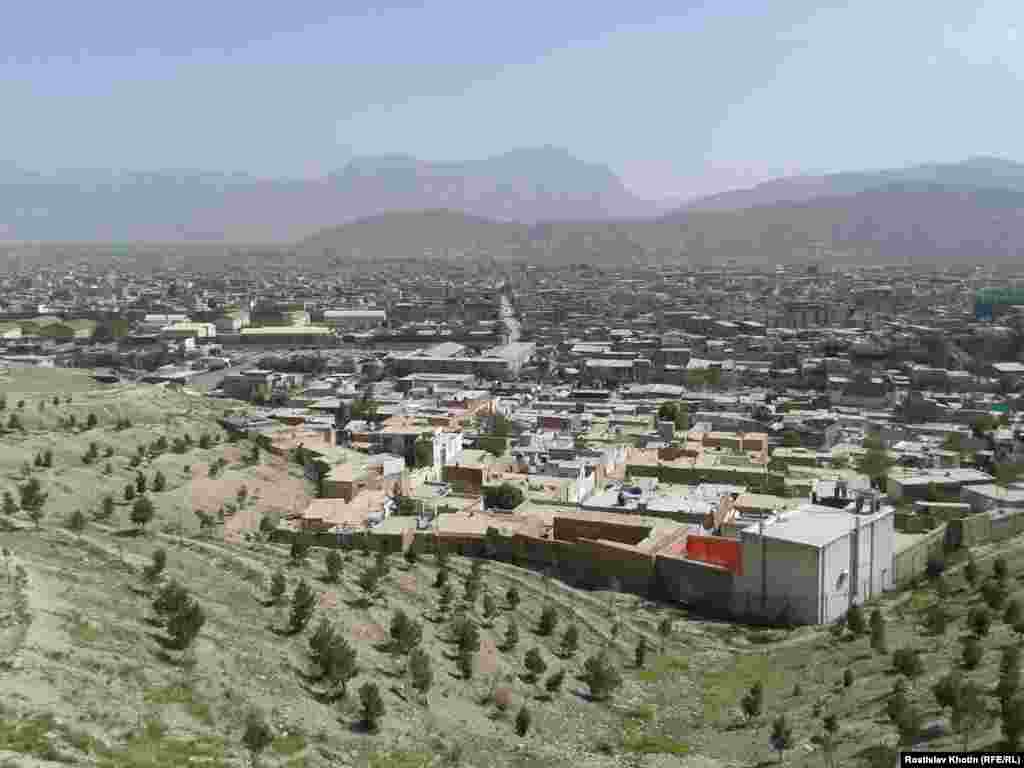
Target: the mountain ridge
pixel 519 185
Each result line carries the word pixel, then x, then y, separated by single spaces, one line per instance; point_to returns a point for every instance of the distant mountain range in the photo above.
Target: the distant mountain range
pixel 974 173
pixel 540 205
pixel 523 185
pixel 971 212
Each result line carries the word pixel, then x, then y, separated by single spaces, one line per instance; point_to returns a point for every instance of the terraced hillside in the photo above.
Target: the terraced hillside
pixel 138 429
pixel 88 675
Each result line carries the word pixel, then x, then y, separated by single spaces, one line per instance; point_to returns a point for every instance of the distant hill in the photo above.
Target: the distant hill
pixel 523 185
pixel 973 173
pixel 920 221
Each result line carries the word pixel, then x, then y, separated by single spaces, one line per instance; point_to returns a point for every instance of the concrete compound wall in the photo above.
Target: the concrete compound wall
pixel 589 561
pixel 692 583
pixel 910 563
pixel 984 527
pixel 573 528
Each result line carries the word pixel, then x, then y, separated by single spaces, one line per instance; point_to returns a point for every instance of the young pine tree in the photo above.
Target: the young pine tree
pixel 601 676
pixel 171 598
pixel 972 652
pixel 752 702
pixel 441 579
pixel 511 635
pixel 184 626
pixel 1009 674
pixel 523 721
pixel 878 643
pixel 535 664
pixel 278 585
pixel 257 735
pixel 971 571
pixel 781 737
pixel 333 565
pixel 554 682
pixel 76 522
pixel 664 632
pixel 490 608
pixel 548 621
pixel 152 571
pixel 855 620
pixel 421 673
pixel 1012 716
pixel 142 512
pixel 641 653
pixel 303 605
pixel 464 662
pixel 371 706
pixel 979 620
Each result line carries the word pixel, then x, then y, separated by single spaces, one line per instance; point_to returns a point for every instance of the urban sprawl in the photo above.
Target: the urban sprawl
pixel 772 445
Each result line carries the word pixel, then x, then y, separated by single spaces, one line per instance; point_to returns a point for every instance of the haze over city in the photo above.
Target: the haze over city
pixel 679 99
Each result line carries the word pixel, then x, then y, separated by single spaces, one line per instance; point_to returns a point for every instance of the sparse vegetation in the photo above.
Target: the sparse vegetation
pixel 112 664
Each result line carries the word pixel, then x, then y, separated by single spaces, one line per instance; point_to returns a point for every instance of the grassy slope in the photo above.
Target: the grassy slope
pixel 85 678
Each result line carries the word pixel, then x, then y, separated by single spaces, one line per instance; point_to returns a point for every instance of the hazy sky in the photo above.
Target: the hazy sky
pixel 677 97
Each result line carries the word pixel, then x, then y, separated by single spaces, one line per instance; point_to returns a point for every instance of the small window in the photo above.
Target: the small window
pixel 841 581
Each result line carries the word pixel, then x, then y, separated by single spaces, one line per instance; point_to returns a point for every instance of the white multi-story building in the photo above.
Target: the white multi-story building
pixel 355 319
pixel 813 563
